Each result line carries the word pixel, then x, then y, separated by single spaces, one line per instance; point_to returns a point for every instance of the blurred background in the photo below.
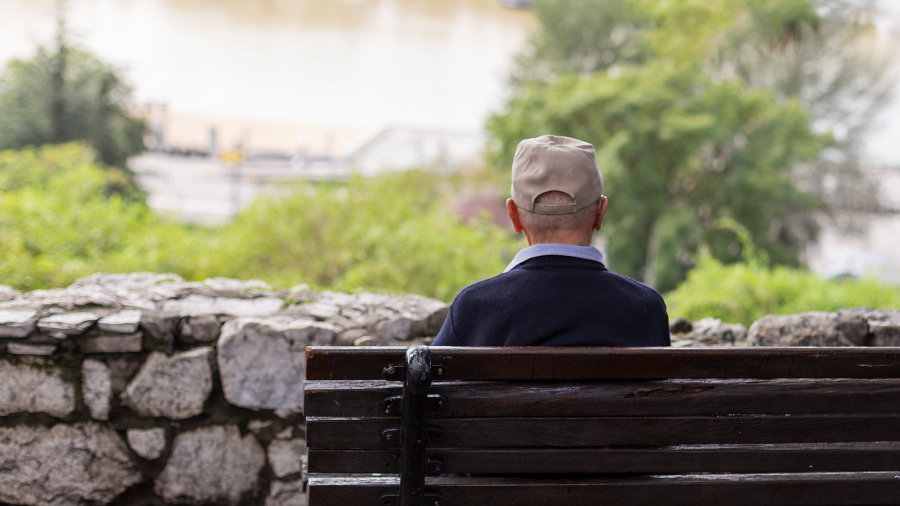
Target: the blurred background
pixel 750 148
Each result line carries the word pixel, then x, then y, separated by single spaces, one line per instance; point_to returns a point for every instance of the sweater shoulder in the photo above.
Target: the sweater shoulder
pixel 479 289
pixel 532 272
pixel 636 287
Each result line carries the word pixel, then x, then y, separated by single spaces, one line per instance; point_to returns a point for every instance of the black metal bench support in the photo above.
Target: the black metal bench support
pixel 413 429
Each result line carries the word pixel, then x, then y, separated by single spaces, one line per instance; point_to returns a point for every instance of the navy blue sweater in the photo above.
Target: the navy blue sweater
pixel 556 301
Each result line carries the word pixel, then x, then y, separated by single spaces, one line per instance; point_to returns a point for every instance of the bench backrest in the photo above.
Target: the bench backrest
pixel 623 426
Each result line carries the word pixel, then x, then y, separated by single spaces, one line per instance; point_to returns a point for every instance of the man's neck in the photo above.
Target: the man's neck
pixel 574 241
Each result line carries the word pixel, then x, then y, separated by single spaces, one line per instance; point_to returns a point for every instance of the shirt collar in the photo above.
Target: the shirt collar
pixel 566 250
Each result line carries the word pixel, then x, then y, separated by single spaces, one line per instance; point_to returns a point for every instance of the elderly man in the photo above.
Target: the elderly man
pixel 557 291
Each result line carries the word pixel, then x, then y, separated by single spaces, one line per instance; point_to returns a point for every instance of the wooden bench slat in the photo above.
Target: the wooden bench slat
pixel 828 457
pixel 364 434
pixel 539 363
pixel 809 489
pixel 626 398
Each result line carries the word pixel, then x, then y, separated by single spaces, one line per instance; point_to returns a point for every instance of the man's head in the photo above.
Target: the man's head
pixel 556 191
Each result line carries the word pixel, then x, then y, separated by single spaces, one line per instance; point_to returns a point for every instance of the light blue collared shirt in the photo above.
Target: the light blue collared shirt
pixel 566 250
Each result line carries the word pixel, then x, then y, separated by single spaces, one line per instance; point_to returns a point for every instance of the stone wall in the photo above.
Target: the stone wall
pixel 847 327
pixel 144 389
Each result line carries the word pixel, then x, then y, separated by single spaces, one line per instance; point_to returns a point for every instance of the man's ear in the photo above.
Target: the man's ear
pixel 513 211
pixel 601 212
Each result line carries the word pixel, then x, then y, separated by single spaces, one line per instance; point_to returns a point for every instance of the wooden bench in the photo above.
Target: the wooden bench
pixel 598 426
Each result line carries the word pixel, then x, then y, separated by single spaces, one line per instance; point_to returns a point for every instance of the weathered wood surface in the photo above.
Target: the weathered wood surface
pixel 773 426
pixel 812 489
pixel 617 398
pixel 830 457
pixel 538 363
pixel 364 434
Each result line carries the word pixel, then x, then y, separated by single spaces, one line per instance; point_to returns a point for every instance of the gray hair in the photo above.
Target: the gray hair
pixel 548 223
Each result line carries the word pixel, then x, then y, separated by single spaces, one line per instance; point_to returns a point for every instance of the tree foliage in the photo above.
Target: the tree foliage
pixel 677 150
pixel 836 66
pixel 687 31
pixel 583 36
pixel 66 95
pixel 716 108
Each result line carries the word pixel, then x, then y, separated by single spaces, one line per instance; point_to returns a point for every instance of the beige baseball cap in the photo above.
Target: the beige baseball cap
pixel 555 163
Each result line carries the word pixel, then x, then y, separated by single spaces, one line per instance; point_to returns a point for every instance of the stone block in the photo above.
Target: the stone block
pixel 236 285
pixel 681 326
pixel 853 324
pixel 96 388
pixel 211 465
pixel 67 465
pixel 7 293
pixel 285 456
pixel 712 331
pixel 135 289
pixel 175 387
pixel 121 369
pixel 159 330
pixel 804 329
pixel 436 318
pixel 24 389
pixel 199 305
pixel 287 493
pixel 365 341
pixel 115 343
pixel 67 324
pixel 123 322
pixel 17 323
pixel 319 310
pixel 262 363
pixel 401 328
pixel 348 337
pixel 430 312
pixel 147 443
pixel 31 349
pixel 344 323
pixel 886 331
pixel 70 298
pixel 199 329
pixel 259 426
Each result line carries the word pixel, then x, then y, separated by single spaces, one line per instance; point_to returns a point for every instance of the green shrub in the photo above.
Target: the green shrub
pixel 744 292
pixel 391 233
pixel 59 222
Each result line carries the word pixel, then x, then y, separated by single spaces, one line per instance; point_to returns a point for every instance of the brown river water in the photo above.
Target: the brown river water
pixel 345 63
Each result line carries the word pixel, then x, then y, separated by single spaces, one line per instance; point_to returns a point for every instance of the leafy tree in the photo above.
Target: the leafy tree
pixel 836 65
pixel 583 36
pixel 688 31
pixel 733 71
pixel 65 95
pixel 588 35
pixel 677 150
